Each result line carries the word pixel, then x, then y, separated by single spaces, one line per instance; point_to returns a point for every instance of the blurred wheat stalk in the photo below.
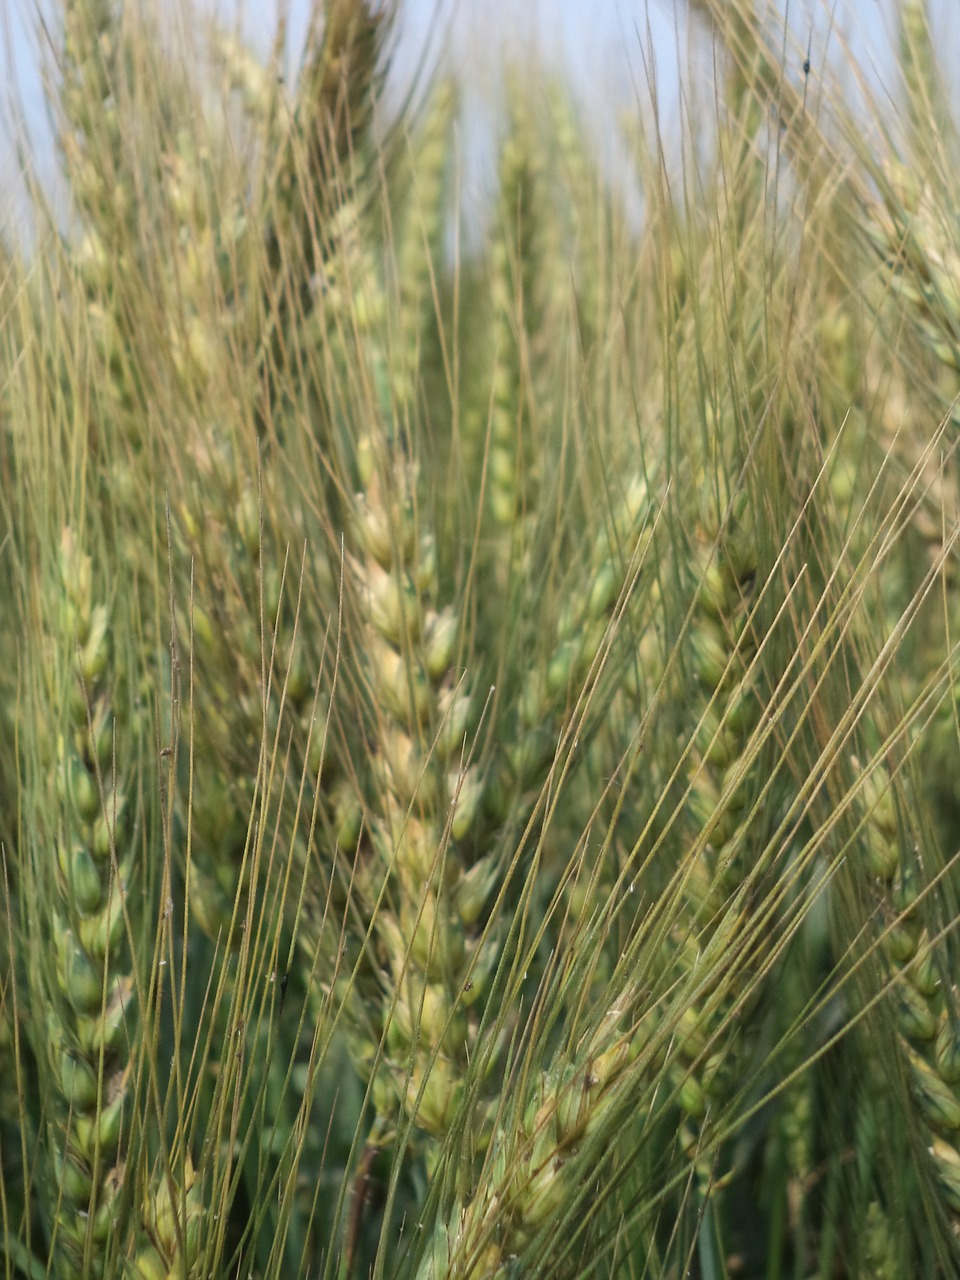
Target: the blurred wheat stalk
pixel 481 723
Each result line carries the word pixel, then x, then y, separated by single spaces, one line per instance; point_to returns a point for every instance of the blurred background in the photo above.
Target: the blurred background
pixel 618 55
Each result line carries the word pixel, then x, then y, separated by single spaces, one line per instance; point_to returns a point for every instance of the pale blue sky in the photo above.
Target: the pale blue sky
pixel 602 45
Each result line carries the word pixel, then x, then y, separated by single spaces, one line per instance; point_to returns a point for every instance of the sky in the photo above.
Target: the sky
pixel 611 51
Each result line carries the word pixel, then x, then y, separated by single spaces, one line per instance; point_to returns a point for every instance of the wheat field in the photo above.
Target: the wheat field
pixel 479 796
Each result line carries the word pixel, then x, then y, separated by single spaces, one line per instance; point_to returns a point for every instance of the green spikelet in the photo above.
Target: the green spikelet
pixel 420 248
pixel 878 1246
pixel 511 466
pixel 563 1122
pixel 424 803
pixel 173 1217
pixel 619 556
pixel 592 233
pixel 83 783
pixel 720 653
pixel 930 124
pixel 93 94
pixel 926 1013
pixel 329 143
